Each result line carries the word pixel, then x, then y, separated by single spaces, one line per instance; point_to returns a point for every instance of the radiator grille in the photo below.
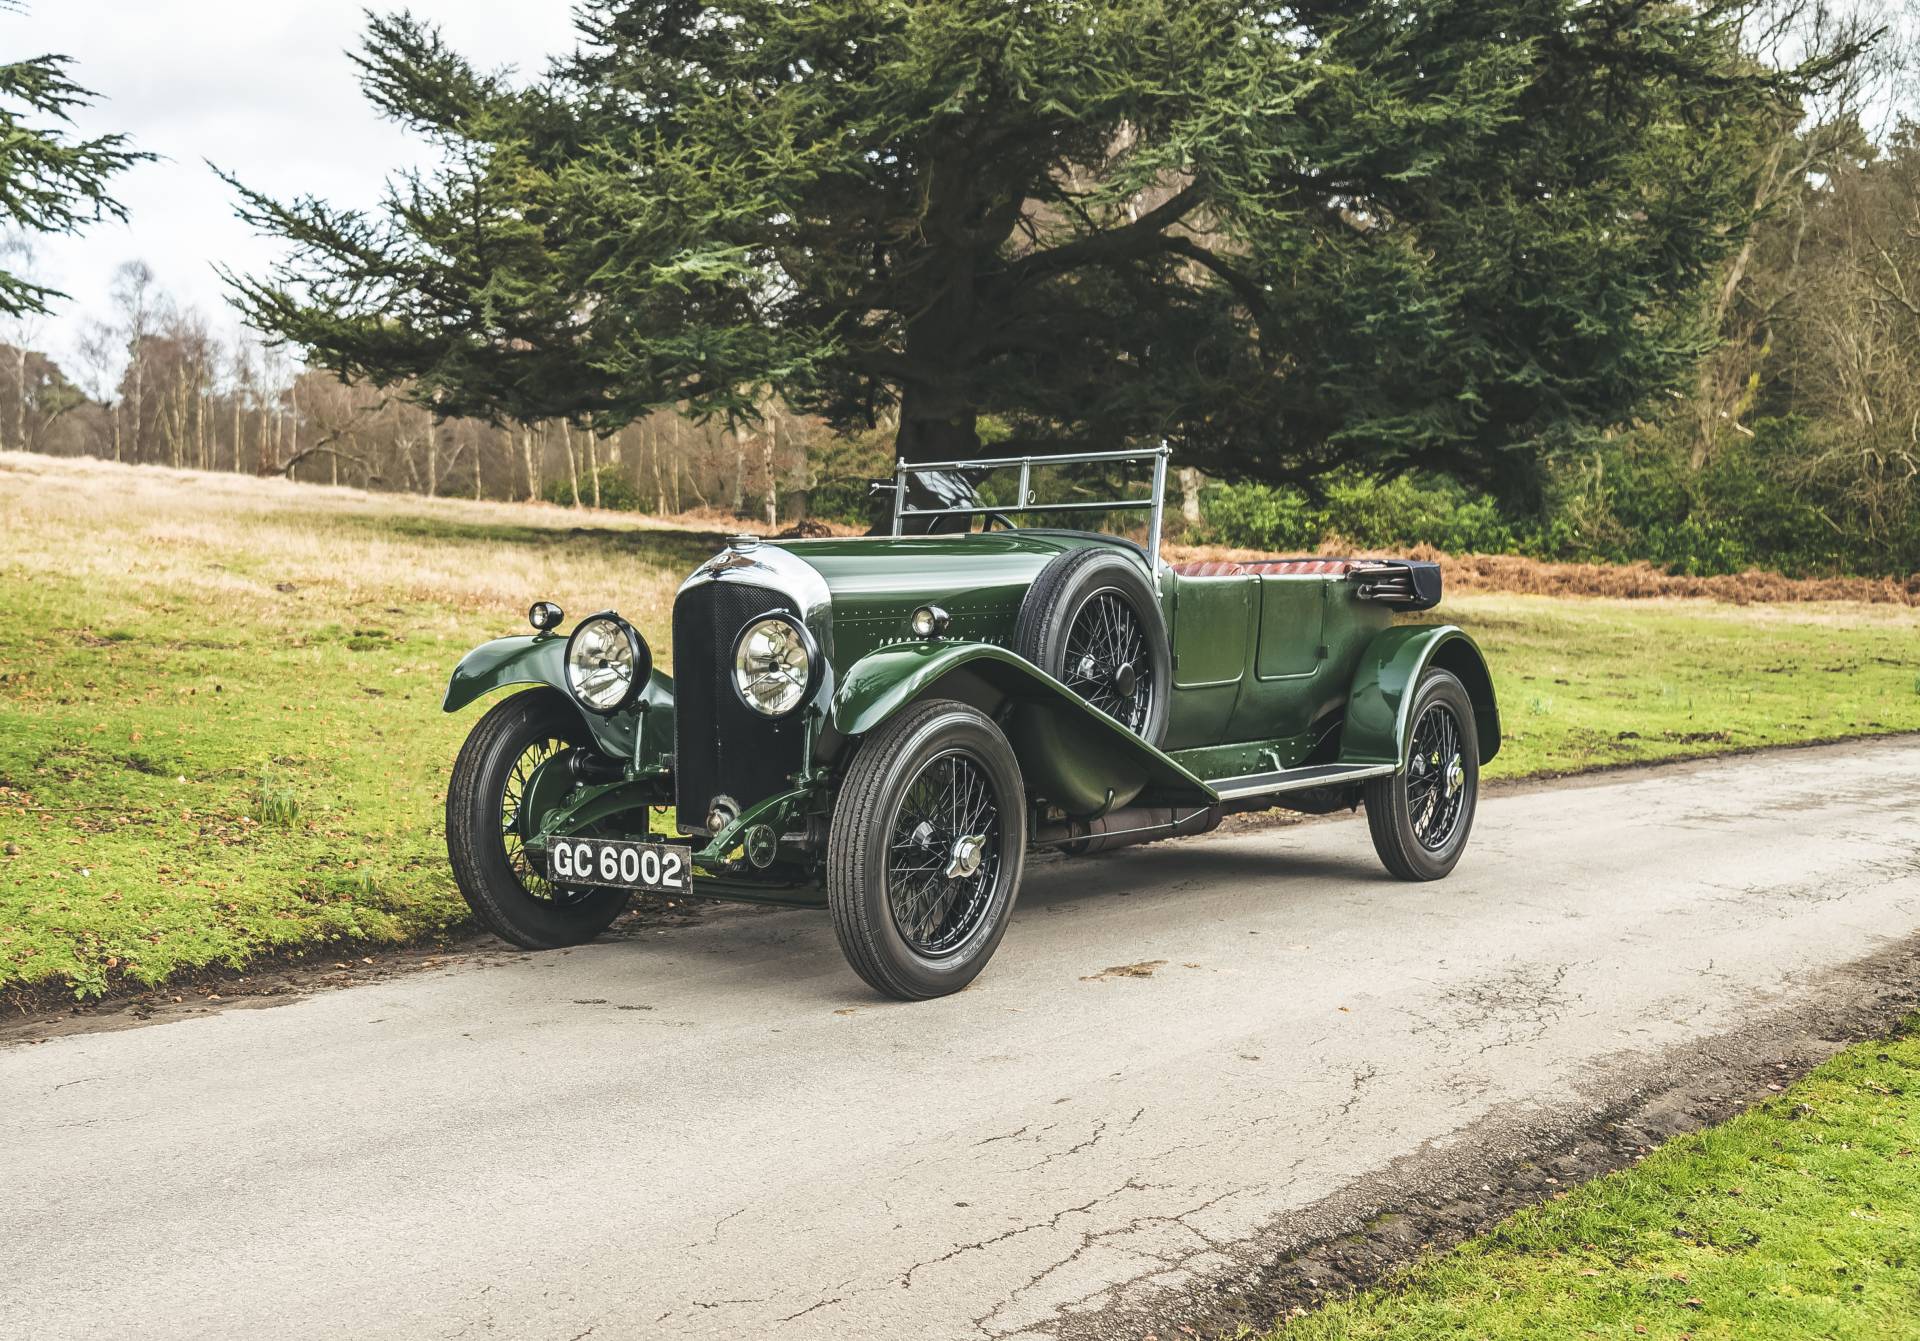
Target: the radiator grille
pixel 722 747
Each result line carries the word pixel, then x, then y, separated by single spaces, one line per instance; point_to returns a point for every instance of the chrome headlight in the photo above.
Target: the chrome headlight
pixel 607 663
pixel 775 664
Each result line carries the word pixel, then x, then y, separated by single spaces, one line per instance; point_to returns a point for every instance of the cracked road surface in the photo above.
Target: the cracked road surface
pixel 715 1131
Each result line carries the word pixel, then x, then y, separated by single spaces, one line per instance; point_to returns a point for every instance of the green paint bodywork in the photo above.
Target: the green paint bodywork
pixel 979 580
pixel 1376 726
pixel 1070 755
pixel 1271 672
pixel 642 733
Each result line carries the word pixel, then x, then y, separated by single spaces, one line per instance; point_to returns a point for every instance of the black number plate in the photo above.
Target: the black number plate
pixel 657 868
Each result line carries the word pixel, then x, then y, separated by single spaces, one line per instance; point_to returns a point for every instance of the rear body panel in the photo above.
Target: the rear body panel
pixel 1262 657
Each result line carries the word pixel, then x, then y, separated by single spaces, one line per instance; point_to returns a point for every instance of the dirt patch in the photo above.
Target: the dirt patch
pixel 1144 969
pixel 1437 1198
pixel 1534 577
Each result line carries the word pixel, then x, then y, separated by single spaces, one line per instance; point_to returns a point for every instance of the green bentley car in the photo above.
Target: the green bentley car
pixel 885 726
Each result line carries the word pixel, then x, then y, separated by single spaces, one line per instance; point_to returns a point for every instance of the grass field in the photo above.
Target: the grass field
pixel 220 733
pixel 1797 1219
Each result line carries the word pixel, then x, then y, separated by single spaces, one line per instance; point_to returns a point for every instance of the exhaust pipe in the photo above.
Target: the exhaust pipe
pixel 1147 824
pixel 1125 827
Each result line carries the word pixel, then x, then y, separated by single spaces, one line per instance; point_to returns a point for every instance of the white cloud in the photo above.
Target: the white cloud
pixel 264 89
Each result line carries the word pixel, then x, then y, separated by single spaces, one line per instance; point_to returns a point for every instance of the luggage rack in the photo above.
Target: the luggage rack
pixel 1156 505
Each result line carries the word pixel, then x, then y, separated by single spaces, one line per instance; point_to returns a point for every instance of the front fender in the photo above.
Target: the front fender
pixel 1071 754
pixel 1383 689
pixel 539 659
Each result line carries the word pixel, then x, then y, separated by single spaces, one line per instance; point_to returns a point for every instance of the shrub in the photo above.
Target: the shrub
pixel 617 491
pixel 1365 513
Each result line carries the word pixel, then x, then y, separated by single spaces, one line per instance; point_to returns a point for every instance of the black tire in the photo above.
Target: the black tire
pixel 883 792
pixel 1420 816
pixel 1065 598
pixel 507 895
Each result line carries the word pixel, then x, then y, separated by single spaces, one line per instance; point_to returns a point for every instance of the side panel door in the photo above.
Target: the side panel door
pixel 1213 621
pixel 1283 695
pixel 1292 618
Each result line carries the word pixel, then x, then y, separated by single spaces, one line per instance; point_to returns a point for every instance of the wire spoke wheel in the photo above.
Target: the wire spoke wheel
pixel 1436 780
pixel 1107 661
pixel 515 767
pixel 943 855
pixel 513 796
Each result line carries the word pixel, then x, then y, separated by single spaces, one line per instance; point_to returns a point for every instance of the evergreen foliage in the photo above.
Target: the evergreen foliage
pixel 50 182
pixel 1440 235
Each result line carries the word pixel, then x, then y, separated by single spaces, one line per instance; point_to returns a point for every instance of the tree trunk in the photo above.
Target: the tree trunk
pixel 936 439
pixel 433 455
pixel 1190 494
pixel 139 398
pixel 739 474
pixel 476 463
pixel 659 484
pixel 20 397
pixel 593 463
pixel 768 440
pixel 679 436
pixel 573 467
pixel 526 451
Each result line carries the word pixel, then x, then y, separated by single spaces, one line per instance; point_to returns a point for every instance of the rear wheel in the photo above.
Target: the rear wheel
pixel 925 852
pixel 515 760
pixel 1420 817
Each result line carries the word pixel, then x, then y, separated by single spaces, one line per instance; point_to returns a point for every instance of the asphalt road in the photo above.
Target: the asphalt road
pixel 716 1131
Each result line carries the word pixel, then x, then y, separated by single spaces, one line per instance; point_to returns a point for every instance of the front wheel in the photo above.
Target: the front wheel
pixel 1420 816
pixel 925 851
pixel 516 756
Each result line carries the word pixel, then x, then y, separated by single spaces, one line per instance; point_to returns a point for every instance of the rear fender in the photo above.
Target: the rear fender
pixel 1381 697
pixel 639 736
pixel 1071 755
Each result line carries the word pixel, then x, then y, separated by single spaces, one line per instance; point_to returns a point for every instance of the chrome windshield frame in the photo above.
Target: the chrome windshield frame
pixel 1156 504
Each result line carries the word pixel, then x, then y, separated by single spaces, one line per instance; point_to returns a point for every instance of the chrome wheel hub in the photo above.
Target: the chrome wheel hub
pixel 965 858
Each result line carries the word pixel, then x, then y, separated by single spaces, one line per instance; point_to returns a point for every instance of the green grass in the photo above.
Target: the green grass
pixel 1798 1219
pixel 1591 682
pixel 220 725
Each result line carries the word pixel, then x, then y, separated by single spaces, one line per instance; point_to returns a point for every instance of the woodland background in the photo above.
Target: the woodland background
pixel 1795 445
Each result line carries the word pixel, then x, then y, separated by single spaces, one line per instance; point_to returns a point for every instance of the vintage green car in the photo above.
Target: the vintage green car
pixel 886 725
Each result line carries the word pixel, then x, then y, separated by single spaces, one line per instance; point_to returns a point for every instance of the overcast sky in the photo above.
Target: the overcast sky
pixel 261 87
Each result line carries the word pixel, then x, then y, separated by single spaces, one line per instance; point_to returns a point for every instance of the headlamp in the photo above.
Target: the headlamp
pixel 607 663
pixel 775 664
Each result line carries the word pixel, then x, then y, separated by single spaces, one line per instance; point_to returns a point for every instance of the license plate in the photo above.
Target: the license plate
pixel 657 868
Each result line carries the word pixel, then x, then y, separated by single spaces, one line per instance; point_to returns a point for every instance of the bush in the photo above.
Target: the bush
pixel 616 491
pixel 1258 516
pixel 1640 496
pixel 1364 513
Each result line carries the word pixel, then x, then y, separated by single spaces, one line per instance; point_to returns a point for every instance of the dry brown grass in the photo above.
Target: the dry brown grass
pixel 241 544
pixel 174 525
pixel 1635 581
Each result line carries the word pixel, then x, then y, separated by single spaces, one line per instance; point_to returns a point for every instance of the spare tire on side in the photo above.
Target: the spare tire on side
pixel 1092 621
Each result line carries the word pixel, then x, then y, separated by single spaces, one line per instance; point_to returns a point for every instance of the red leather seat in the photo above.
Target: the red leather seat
pixel 1209 568
pixel 1276 567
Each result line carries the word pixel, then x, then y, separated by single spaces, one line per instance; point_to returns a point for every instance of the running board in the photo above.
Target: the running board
pixel 1295 779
